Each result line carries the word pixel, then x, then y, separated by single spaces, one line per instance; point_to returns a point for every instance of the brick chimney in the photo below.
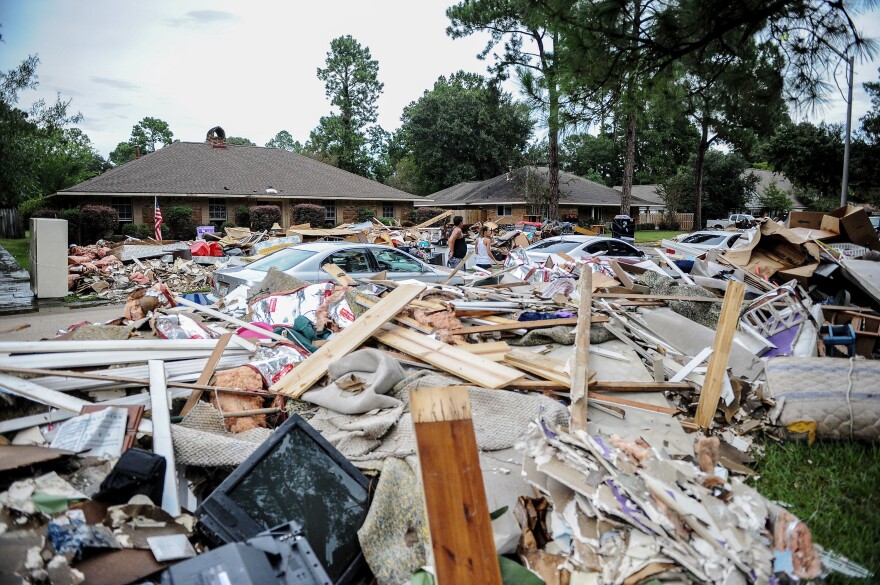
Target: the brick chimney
pixel 216 137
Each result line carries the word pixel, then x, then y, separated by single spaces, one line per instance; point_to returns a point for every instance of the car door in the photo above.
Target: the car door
pixel 401 266
pixel 619 249
pixel 356 262
pixel 594 248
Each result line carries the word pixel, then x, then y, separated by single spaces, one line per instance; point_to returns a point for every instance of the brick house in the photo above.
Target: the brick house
pixel 522 192
pixel 214 178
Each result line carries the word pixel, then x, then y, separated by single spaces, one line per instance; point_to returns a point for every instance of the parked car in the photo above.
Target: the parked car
pixel 305 261
pixel 694 244
pixel 580 246
pixel 741 220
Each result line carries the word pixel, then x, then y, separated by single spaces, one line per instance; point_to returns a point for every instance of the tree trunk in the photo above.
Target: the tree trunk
pixel 553 142
pixel 629 164
pixel 698 175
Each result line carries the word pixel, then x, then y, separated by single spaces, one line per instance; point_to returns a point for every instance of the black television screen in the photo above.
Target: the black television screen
pixel 295 475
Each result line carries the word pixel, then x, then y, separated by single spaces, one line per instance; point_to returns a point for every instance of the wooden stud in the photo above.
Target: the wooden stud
pixel 459 266
pixel 514 325
pixel 674 267
pixel 539 365
pixel 627 386
pixel 622 276
pixel 580 373
pixel 160 414
pixel 455 499
pixel 206 374
pixel 338 274
pixel 717 369
pixel 307 373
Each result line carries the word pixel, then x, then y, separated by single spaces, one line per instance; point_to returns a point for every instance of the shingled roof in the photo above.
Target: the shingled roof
pixel 510 188
pixel 198 168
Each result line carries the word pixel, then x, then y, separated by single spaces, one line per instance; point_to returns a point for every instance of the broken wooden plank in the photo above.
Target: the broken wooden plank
pixel 674 267
pixel 472 367
pixel 717 369
pixel 459 266
pixel 539 365
pixel 205 376
pixel 580 373
pixel 160 413
pixel 338 274
pixel 455 498
pixel 691 365
pixel 514 325
pixel 307 373
pixel 605 398
pixel 627 386
pixel 635 296
pixel 622 276
pixel 432 221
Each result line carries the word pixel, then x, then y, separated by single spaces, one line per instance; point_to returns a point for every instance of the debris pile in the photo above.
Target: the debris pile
pixel 627 392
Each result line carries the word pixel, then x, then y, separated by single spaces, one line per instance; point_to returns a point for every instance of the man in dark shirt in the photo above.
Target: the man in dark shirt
pixel 457 245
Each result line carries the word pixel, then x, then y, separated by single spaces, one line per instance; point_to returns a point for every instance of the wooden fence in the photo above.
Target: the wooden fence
pixel 10 224
pixel 685 220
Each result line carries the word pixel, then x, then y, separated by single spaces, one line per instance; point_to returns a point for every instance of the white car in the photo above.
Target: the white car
pixel 735 220
pixel 694 244
pixel 580 246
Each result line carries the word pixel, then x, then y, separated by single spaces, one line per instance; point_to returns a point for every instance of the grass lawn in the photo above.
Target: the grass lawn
pixel 833 487
pixel 655 236
pixel 18 249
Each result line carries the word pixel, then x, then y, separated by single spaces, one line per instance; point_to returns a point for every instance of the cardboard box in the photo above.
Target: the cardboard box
pixel 811 220
pixel 853 224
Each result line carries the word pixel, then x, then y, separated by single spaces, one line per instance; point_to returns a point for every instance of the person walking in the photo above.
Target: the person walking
pixel 485 259
pixel 457 245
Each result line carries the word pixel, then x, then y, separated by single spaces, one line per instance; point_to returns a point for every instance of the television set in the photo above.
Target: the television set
pixel 294 475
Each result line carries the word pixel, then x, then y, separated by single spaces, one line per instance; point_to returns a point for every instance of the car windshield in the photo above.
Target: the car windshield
pixel 708 239
pixel 553 246
pixel 282 260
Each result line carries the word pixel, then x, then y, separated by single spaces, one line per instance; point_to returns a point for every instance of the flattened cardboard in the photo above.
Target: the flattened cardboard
pixel 16 456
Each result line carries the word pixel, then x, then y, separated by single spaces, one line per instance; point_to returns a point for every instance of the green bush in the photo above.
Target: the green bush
pixel 364 214
pixel 263 216
pixel 386 220
pixel 669 224
pixel 406 223
pixel 243 215
pixel 309 213
pixel 645 227
pixel 28 207
pixel 46 213
pixel 180 222
pixel 74 224
pixel 422 214
pixel 227 224
pixel 97 222
pixel 141 231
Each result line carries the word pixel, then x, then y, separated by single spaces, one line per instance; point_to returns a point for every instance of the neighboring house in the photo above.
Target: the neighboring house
pixel 767 178
pixel 522 193
pixel 214 178
pixel 650 195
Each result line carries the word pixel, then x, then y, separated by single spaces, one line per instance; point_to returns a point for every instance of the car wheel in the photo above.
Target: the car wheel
pixel 718 227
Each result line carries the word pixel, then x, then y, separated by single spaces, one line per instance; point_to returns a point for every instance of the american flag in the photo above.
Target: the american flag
pixel 158 219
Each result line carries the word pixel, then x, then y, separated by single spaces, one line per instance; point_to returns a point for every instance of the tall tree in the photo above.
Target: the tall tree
pixel 464 129
pixel 351 83
pixel 284 140
pixel 530 49
pixel 732 91
pixel 240 141
pixel 145 136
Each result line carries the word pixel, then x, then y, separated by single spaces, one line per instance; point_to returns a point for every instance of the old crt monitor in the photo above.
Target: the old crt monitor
pixel 295 475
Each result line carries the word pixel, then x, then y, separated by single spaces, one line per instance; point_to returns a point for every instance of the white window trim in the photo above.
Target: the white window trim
pixel 130 204
pixel 211 216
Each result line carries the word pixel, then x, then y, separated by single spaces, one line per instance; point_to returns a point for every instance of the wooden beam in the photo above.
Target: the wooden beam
pixel 338 274
pixel 514 325
pixel 641 297
pixel 622 276
pixel 672 265
pixel 539 365
pixel 432 221
pixel 307 373
pixel 205 376
pixel 717 369
pixel 606 399
pixel 455 499
pixel 580 372
pixel 627 386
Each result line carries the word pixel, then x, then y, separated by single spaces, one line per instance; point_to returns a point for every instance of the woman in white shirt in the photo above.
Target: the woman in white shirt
pixel 485 259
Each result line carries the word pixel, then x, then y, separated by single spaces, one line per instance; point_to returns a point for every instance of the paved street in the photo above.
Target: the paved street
pixel 15 292
pixel 47 321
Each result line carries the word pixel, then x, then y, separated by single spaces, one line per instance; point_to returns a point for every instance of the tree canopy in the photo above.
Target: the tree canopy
pixel 145 135
pixel 464 129
pixel 284 140
pixel 240 141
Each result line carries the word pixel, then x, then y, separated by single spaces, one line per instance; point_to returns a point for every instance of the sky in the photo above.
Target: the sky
pixel 249 67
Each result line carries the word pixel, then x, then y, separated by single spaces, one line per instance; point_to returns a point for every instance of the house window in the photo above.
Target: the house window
pixel 123 207
pixel 330 212
pixel 504 210
pixel 388 209
pixel 216 209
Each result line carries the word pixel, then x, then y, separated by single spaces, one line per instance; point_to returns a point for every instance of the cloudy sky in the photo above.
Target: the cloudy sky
pixel 246 66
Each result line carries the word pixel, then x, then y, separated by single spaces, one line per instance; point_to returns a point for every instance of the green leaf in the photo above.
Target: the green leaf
pixel 512 573
pixel 497 513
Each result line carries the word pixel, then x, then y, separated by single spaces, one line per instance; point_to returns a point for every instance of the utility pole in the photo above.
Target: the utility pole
pixel 844 183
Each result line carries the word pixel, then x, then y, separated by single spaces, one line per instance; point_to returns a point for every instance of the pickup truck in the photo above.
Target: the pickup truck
pixel 735 220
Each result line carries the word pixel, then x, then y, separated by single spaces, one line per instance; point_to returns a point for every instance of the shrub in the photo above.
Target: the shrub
pixel 406 223
pixel 46 213
pixel 422 214
pixel 364 214
pixel 30 206
pixel 74 224
pixel 97 222
pixel 645 227
pixel 263 216
pixel 243 215
pixel 386 220
pixel 309 213
pixel 137 230
pixel 180 222
pixel 226 224
pixel 669 224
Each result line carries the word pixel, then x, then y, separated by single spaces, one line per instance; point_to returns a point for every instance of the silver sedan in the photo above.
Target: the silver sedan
pixel 305 261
